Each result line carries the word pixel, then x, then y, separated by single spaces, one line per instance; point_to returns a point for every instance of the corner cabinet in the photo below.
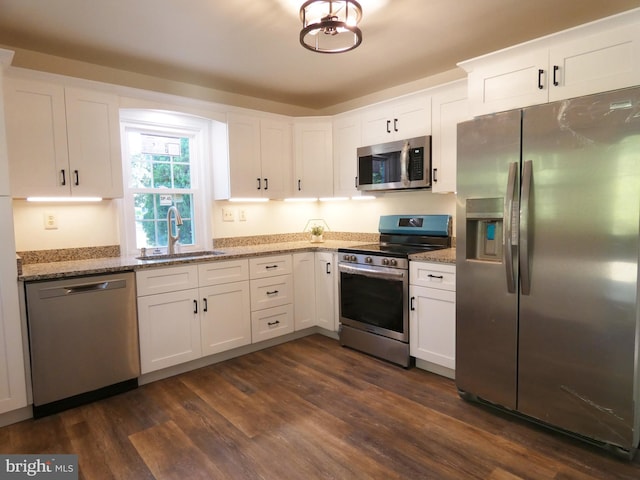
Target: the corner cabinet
pixel 432 316
pixel 62 141
pixel 449 106
pixel 313 166
pixel 581 61
pixel 315 290
pixel 399 119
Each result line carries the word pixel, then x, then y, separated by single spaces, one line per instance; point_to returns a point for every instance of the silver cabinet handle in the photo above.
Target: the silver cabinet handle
pixel 508 228
pixel 525 280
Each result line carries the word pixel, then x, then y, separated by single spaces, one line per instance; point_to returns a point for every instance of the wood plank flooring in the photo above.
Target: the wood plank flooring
pixel 308 409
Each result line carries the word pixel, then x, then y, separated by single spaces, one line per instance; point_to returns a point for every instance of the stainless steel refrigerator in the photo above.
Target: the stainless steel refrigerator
pixel 548 228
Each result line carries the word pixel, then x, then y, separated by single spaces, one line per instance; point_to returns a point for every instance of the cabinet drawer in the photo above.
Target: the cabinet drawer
pixel 271 292
pixel 272 322
pixel 433 275
pixel 216 273
pixel 163 280
pixel 263 267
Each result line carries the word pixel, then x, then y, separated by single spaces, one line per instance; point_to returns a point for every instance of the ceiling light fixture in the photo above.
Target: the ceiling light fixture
pixel 330 26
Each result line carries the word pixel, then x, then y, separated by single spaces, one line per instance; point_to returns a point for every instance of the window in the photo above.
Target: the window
pixel 165 161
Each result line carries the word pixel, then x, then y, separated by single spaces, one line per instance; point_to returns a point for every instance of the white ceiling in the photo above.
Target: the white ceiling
pixel 251 47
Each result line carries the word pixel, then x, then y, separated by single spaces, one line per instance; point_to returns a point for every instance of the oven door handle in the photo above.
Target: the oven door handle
pixel 391 274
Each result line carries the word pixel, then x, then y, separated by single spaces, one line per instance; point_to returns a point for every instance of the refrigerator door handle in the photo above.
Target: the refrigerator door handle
pixel 525 280
pixel 508 228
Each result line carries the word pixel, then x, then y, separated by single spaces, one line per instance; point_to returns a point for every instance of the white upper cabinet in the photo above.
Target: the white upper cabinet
pixel 597 63
pixel 449 106
pixel 259 163
pixel 346 140
pixel 581 61
pixel 313 175
pixel 62 141
pixel 406 117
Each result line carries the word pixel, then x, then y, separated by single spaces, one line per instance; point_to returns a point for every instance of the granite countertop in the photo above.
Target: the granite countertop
pixel 94 266
pixel 447 255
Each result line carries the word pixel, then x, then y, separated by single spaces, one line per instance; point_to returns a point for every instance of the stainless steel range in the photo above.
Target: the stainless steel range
pixel 374 284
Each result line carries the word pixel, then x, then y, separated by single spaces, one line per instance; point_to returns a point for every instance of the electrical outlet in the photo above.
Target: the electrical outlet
pixel 228 215
pixel 50 221
pixel 243 215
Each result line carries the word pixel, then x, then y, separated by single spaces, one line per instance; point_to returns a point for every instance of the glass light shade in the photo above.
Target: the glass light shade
pixel 330 26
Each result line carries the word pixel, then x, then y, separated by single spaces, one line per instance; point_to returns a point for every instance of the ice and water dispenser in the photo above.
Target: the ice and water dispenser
pixel 485 219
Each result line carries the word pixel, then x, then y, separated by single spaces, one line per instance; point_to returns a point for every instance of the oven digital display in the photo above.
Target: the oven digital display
pixel 410 222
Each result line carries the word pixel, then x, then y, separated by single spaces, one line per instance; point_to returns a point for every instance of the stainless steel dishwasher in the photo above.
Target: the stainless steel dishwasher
pixel 83 337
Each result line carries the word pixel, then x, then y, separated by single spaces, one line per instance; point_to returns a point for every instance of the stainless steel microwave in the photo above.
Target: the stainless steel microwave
pixel 403 164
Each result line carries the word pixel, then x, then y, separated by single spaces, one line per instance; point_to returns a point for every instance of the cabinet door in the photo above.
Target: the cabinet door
pixel 324 290
pixel 412 117
pixel 226 317
pixel 433 325
pixel 169 326
pixel 509 83
pixel 36 138
pixel 449 107
pixel 377 125
pixel 244 156
pixel 276 158
pixel 13 391
pixel 597 63
pixel 93 138
pixel 313 159
pixel 304 293
pixel 271 322
pixel 346 140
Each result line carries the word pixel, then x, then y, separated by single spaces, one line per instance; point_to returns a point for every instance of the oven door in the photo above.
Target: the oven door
pixel 375 299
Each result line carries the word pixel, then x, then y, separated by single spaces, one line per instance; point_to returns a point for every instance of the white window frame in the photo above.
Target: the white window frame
pixel 170 124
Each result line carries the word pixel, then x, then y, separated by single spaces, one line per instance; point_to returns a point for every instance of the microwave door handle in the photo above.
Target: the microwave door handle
pixel 404 164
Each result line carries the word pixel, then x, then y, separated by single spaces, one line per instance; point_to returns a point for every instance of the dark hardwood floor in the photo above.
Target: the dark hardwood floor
pixel 307 409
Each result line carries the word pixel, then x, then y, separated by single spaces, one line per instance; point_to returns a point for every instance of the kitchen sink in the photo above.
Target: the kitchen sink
pixel 180 256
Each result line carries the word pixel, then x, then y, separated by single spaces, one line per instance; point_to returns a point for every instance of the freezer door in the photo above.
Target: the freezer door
pixel 486 300
pixel 579 251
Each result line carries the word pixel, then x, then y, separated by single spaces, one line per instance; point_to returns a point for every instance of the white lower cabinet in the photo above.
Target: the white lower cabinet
pixel 226 317
pixel 304 292
pixel 432 318
pixel 325 290
pixel 187 312
pixel 315 290
pixel 272 295
pixel 169 329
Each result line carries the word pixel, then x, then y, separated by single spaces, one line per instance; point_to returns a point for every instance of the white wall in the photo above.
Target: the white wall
pixel 91 225
pixel 85 225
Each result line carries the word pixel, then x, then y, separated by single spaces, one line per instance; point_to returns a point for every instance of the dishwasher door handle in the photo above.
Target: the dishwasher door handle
pixel 82 288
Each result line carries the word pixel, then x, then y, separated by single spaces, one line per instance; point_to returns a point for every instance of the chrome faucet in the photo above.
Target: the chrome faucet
pixel 173 239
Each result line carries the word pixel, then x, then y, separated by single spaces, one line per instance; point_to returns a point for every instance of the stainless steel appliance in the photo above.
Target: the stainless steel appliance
pixel 403 164
pixel 374 284
pixel 83 334
pixel 547 265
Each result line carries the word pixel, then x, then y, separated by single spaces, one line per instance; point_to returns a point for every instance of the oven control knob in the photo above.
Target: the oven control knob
pixel 393 262
pixel 368 260
pixel 354 258
pixel 385 261
pixel 345 258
